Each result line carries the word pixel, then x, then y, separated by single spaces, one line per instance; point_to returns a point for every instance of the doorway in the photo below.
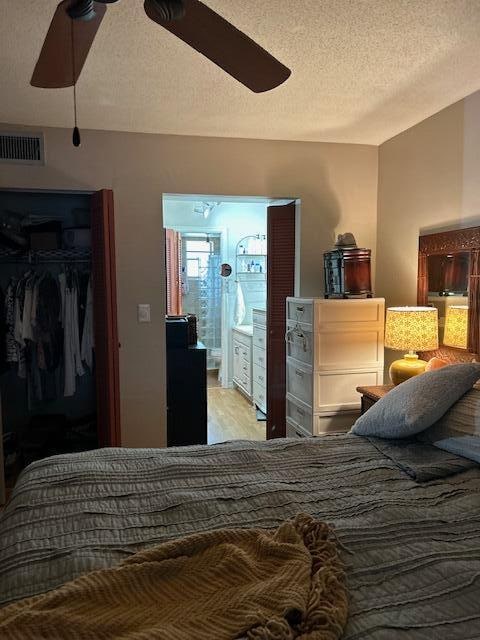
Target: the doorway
pixel 217 269
pixel 59 343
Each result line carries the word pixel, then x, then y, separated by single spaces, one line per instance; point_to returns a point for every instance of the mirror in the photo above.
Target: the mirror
pixel 448 276
pixel 448 279
pixel 225 270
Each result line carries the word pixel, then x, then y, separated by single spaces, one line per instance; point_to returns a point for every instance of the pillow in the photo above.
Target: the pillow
pixel 435 363
pixel 414 405
pixel 459 430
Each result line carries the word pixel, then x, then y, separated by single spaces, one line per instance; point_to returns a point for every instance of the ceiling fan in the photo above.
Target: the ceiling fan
pixel 76 22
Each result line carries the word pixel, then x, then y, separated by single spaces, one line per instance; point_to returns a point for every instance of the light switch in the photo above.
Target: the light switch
pixel 144 313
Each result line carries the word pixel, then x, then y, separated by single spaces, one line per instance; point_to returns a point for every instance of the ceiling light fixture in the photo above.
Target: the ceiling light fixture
pixel 85 9
pixel 166 9
pixel 204 209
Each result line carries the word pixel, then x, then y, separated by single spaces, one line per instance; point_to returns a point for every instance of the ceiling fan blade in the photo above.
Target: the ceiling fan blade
pixel 223 44
pixel 54 68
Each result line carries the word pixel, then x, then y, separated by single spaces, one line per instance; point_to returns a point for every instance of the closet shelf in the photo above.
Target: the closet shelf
pixel 83 254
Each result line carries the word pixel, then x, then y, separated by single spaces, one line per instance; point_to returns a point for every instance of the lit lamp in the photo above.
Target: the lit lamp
pixel 410 329
pixel 456 326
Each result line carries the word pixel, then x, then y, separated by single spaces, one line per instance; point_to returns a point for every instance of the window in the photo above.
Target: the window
pixel 197 254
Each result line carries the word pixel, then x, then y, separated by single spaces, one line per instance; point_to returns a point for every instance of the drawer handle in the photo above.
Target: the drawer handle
pixel 237 351
pixel 299 373
pixel 260 378
pixel 260 359
pixel 300 412
pixel 244 367
pixel 296 333
pixel 300 309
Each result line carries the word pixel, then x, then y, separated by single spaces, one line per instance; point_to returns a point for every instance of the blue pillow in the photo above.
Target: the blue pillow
pixel 414 405
pixel 459 430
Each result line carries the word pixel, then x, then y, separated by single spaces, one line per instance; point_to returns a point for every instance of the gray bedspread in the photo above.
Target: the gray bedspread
pixel 412 551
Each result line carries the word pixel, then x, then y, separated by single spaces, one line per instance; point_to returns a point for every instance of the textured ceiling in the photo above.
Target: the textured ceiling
pixel 362 70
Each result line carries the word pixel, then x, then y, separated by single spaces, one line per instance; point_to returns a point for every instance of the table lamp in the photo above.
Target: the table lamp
pixel 410 329
pixel 456 326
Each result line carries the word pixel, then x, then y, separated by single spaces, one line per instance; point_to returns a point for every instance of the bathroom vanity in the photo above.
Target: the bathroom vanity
pixel 242 358
pixel 259 359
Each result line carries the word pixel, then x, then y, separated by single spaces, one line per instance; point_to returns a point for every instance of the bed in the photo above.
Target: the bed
pixel 411 549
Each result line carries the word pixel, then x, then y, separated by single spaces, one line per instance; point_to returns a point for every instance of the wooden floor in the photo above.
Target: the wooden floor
pixel 232 417
pixel 212 378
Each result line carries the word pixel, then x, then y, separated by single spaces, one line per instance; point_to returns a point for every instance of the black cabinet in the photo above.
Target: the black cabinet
pixel 186 395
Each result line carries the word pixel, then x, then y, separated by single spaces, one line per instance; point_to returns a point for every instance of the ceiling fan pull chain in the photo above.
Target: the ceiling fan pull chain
pixel 76 139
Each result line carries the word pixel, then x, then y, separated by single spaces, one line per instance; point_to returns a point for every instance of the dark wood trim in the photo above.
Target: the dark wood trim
pixel 280 285
pixel 105 319
pixel 422 283
pixel 450 241
pixel 456 241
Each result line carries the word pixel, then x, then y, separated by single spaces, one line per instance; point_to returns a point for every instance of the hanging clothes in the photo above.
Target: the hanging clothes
pixel 11 344
pixel 18 325
pixel 72 353
pixel 48 331
pixel 3 332
pixel 46 309
pixel 27 327
pixel 87 335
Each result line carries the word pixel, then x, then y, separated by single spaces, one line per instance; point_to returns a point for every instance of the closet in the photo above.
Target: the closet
pixel 58 328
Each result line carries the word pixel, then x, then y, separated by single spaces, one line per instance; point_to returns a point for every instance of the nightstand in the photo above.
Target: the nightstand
pixel 370 395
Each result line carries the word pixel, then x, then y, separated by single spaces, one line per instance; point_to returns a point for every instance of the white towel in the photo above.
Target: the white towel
pixel 239 305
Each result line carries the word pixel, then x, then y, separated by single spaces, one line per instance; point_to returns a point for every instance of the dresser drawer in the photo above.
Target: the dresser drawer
pixel 339 423
pixel 259 317
pixel 243 338
pixel 244 369
pixel 241 350
pixel 260 337
pixel 245 382
pixel 300 311
pixel 360 312
pixel 259 376
pixel 260 357
pixel 299 343
pixel 294 431
pixel 299 381
pixel 299 416
pixel 260 397
pixel 338 391
pixel 346 347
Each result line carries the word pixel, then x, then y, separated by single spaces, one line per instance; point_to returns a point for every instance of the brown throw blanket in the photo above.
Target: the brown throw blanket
pixel 219 585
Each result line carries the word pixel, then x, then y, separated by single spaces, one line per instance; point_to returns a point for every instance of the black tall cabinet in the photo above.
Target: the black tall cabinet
pixel 186 392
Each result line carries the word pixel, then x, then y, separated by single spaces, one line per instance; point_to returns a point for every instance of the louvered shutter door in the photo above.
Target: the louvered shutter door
pixel 105 319
pixel 280 284
pixel 173 267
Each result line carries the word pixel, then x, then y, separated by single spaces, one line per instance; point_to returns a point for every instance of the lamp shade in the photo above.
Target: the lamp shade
pixel 456 326
pixel 411 328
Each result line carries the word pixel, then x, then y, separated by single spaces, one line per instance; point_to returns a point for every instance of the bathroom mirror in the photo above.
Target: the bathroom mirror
pixel 225 270
pixel 449 279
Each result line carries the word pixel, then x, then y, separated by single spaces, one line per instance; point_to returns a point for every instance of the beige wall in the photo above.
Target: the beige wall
pixel 428 180
pixel 337 185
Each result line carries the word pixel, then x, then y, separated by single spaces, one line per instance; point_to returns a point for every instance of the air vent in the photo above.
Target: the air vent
pixel 21 148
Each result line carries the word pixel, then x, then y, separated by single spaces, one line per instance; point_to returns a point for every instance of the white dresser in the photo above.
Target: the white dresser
pixel 259 359
pixel 242 359
pixel 333 346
